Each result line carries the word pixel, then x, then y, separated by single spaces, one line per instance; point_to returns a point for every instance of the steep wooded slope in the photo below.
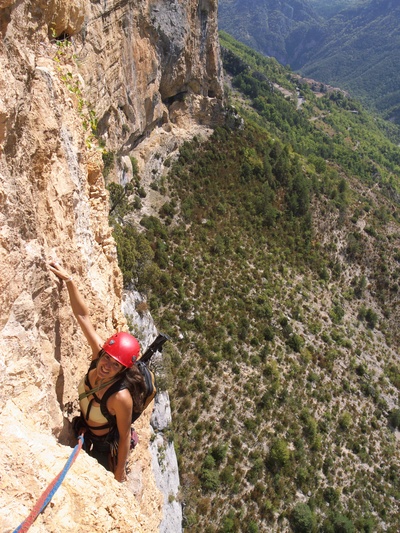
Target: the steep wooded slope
pixel 274 266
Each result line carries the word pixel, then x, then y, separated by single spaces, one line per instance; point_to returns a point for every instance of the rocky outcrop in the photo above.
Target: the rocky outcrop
pixel 164 460
pixel 69 69
pixel 53 206
pixel 165 464
pixel 169 65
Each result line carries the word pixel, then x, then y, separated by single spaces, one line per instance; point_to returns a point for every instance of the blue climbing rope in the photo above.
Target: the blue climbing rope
pixel 47 495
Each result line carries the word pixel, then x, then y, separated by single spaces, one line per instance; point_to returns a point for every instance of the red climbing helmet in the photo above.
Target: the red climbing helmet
pixel 123 347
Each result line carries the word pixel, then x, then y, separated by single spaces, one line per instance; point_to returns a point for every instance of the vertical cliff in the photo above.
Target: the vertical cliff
pixel 168 66
pixel 71 73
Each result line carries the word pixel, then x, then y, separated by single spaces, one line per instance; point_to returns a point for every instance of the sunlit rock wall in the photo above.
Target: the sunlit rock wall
pixel 71 73
pixel 169 67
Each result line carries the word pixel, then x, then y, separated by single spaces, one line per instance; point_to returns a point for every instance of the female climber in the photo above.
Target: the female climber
pixel 107 424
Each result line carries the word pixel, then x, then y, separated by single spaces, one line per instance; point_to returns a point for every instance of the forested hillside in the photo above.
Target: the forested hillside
pixel 356 48
pixel 274 267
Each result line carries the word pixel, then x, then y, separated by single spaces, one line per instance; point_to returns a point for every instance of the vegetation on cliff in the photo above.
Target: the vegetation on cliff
pixel 274 266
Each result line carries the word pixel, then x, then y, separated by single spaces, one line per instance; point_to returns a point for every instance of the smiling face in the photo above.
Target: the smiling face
pixel 108 367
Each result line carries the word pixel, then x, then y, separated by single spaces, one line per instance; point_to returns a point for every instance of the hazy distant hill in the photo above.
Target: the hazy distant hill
pixel 356 49
pixel 361 54
pixel 328 8
pixel 267 25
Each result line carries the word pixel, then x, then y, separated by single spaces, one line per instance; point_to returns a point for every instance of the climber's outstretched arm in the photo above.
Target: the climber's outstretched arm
pixel 79 308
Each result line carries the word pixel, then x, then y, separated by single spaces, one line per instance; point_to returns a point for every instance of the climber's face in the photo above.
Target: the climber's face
pixel 108 367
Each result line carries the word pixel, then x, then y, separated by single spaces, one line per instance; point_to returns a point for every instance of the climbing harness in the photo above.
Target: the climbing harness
pixel 47 495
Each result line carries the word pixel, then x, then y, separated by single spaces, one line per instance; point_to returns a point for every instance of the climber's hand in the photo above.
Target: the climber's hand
pixel 59 271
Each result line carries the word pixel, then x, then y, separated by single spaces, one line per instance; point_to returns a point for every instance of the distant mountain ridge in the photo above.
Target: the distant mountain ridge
pixel 357 49
pixel 361 54
pixel 267 26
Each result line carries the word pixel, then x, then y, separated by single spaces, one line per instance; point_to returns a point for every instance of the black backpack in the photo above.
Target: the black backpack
pixel 147 374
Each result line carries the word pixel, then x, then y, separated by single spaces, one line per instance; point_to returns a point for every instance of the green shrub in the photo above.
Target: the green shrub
pixel 279 455
pixel 255 472
pixel 209 462
pixel 226 475
pixel 393 373
pixel 371 318
pixel 366 525
pixel 302 519
pixel 209 480
pixel 331 495
pixel 108 162
pixel 342 524
pixel 296 342
pixel 218 452
pixel 135 166
pixel 336 314
pixel 345 421
pixel 268 333
pixel 394 418
pixel 252 527
pixel 228 523
pixel 369 315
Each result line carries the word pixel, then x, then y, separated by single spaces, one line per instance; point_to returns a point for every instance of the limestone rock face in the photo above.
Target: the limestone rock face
pixel 89 499
pixel 164 460
pixel 169 55
pixel 165 465
pixel 68 69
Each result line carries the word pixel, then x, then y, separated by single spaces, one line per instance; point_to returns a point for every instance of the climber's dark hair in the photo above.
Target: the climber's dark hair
pixel 135 383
